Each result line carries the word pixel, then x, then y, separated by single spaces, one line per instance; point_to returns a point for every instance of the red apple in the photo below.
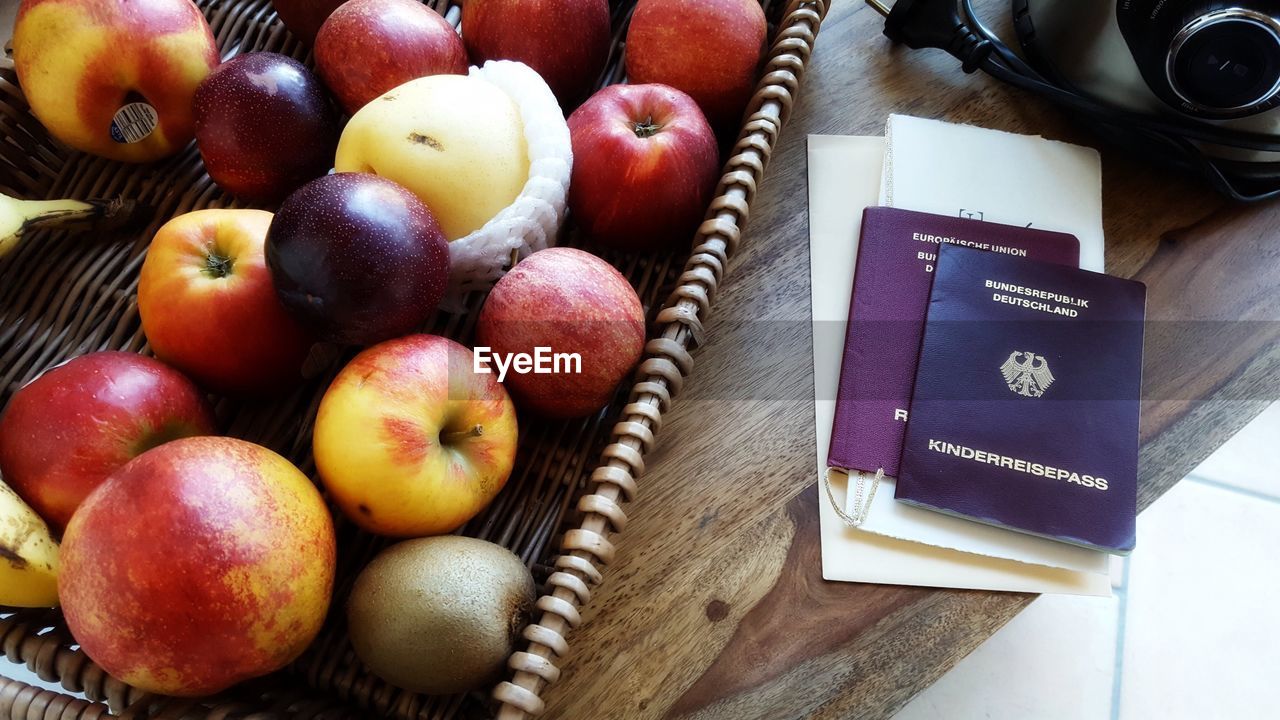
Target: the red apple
pixel 368 47
pixel 66 431
pixel 264 126
pixel 567 302
pixel 209 308
pixel 566 41
pixel 645 165
pixel 202 563
pixel 358 258
pixel 304 17
pixel 710 49
pixel 111 77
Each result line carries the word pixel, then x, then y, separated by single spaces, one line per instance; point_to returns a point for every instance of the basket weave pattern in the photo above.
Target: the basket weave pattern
pixel 62 296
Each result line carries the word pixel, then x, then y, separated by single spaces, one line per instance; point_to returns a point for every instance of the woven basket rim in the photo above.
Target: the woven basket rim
pixel 667 363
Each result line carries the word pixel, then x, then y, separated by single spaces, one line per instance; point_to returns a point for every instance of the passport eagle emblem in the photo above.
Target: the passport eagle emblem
pixel 1028 376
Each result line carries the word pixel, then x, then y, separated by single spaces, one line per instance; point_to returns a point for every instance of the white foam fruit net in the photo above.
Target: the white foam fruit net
pixel 533 221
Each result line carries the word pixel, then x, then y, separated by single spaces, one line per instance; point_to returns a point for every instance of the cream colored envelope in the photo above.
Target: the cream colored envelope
pixel 904 522
pixel 844 178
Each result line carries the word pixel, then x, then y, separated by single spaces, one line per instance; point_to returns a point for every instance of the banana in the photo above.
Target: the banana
pixel 19 217
pixel 28 555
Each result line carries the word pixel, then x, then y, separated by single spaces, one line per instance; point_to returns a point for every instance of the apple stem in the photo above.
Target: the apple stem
pixel 450 438
pixel 217 266
pixel 647 128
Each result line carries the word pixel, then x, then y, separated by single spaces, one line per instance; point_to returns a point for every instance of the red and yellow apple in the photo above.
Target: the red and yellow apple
pixel 645 165
pixel 710 49
pixel 111 77
pixel 367 47
pixel 63 433
pixel 201 563
pixel 566 41
pixel 568 302
pixel 209 307
pixel 411 441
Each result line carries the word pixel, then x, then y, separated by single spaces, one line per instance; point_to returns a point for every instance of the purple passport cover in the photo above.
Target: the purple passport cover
pixel 1025 410
pixel 886 322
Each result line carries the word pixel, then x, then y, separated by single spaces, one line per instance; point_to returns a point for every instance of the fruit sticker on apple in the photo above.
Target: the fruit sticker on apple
pixel 112 77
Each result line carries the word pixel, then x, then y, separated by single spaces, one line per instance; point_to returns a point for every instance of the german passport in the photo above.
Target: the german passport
pixel 896 257
pixel 1025 408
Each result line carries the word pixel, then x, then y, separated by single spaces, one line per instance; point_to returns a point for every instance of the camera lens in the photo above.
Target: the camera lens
pixel 1227 61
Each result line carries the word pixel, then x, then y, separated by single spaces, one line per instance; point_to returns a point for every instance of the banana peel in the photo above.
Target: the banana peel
pixel 18 218
pixel 28 555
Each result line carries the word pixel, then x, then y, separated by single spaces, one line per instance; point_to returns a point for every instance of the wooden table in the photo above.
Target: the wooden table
pixel 716 606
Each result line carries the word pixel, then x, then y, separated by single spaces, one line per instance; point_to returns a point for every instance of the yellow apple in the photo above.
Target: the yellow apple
pixel 114 78
pixel 457 142
pixel 411 441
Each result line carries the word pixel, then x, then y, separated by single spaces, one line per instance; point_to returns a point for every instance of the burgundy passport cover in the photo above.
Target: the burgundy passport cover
pixel 886 321
pixel 1025 410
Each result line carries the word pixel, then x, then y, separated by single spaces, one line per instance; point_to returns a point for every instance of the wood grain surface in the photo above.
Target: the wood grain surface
pixel 715 607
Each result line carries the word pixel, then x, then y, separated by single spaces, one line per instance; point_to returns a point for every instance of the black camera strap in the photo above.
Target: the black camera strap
pixel 1177 142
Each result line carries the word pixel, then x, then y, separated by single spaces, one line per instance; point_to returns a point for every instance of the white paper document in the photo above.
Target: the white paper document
pixel 964 171
pixel 844 179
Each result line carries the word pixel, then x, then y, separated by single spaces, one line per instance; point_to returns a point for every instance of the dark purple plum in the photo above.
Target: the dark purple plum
pixel 264 126
pixel 357 258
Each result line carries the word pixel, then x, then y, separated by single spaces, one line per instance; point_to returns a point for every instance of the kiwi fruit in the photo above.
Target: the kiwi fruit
pixel 439 615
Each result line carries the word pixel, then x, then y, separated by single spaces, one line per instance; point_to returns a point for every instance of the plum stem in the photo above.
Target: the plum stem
pixel 645 129
pixel 450 438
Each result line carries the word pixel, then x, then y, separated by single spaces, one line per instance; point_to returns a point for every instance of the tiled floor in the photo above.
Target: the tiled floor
pixel 1192 632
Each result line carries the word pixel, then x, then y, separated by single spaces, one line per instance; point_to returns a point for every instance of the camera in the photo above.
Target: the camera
pixel 1211 60
pixel 1221 62
pixel 1217 62
pixel 1192 84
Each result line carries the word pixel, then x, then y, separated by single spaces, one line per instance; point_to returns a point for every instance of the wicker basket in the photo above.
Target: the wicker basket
pixel 62 296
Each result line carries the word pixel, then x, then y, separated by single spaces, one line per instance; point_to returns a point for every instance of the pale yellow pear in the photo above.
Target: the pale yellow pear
pixel 457 142
pixel 28 555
